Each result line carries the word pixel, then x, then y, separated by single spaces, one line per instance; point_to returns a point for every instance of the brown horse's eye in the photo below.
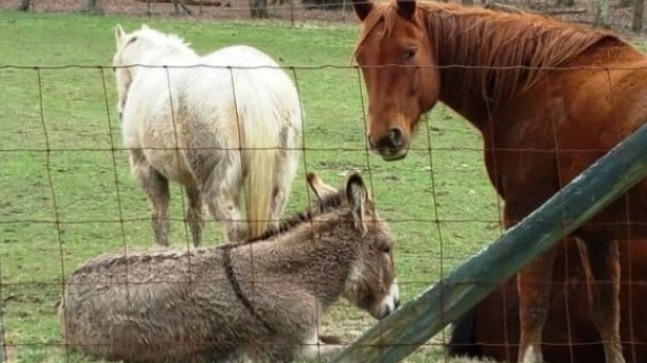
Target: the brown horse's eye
pixel 410 53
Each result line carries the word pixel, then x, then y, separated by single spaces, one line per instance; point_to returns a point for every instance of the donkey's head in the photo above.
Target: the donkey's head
pixel 371 283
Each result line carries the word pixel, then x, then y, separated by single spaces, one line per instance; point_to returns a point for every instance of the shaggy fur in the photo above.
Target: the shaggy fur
pixel 261 299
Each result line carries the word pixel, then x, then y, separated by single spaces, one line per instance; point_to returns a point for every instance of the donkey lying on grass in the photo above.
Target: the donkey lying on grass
pixel 260 299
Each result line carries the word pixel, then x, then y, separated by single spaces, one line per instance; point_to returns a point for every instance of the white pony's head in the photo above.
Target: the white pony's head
pixel 143 46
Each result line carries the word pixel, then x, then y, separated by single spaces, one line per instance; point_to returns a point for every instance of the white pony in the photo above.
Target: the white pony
pixel 209 126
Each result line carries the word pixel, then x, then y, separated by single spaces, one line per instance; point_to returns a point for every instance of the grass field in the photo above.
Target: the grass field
pixel 78 200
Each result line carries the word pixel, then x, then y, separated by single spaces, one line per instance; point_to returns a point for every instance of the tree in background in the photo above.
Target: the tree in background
pixel 602 14
pixel 259 8
pixel 637 23
pixel 93 7
pixel 24 5
pixel 566 2
pixel 177 4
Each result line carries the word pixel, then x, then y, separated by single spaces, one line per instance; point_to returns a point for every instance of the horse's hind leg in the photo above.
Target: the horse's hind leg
pixel 534 283
pixel 157 189
pixel 194 215
pixel 286 169
pixel 601 260
pixel 220 179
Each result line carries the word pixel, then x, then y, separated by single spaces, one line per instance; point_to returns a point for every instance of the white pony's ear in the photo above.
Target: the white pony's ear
pixel 320 188
pixel 120 34
pixel 357 195
pixel 145 27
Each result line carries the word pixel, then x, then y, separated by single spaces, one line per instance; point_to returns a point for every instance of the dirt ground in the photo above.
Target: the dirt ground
pixel 299 13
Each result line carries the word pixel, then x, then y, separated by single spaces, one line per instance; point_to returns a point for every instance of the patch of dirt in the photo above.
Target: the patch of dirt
pixel 298 12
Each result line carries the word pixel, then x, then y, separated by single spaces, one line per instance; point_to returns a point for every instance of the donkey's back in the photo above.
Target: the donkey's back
pixel 151 307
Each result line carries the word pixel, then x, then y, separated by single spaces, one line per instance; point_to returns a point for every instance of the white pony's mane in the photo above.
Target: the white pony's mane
pixel 160 39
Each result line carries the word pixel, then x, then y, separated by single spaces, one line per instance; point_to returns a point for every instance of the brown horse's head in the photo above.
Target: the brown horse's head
pixel 395 55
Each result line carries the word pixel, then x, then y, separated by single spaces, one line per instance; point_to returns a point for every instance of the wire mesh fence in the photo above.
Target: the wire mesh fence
pixel 68 196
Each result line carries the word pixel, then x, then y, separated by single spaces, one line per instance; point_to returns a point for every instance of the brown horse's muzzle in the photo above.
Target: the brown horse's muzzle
pixel 392 146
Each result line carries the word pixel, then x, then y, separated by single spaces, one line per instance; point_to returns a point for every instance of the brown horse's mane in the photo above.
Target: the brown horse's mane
pixel 500 53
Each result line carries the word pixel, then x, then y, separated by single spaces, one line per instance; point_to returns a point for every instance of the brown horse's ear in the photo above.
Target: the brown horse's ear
pixel 120 34
pixel 406 8
pixel 362 8
pixel 320 188
pixel 357 194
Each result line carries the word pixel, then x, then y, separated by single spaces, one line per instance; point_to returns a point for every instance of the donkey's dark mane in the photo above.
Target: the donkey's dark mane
pixel 323 206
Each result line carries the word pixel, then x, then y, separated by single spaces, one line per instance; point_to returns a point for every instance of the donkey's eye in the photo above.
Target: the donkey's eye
pixel 410 53
pixel 385 248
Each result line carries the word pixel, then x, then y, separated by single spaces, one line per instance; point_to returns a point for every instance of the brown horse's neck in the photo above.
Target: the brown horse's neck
pixel 488 57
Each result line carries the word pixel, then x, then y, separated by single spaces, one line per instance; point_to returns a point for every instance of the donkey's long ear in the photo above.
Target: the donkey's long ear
pixel 406 8
pixel 362 8
pixel 320 188
pixel 357 194
pixel 120 34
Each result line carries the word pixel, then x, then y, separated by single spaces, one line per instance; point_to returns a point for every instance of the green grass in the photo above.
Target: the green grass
pixel 438 222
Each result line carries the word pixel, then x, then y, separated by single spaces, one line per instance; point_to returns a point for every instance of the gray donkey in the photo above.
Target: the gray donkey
pixel 261 299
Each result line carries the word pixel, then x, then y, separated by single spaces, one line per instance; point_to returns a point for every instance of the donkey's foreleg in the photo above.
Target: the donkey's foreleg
pixel 319 346
pixel 194 215
pixel 601 260
pixel 157 189
pixel 534 283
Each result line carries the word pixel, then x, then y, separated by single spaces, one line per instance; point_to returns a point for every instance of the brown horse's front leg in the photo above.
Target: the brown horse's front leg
pixel 534 283
pixel 601 260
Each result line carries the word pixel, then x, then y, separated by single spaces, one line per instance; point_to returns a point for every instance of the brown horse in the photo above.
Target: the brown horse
pixel 569 334
pixel 549 99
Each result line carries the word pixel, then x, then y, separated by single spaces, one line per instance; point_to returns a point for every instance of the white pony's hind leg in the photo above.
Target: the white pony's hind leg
pixel 157 189
pixel 286 169
pixel 221 186
pixel 194 215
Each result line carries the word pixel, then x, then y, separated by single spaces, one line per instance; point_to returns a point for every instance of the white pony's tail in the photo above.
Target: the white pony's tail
pixel 260 137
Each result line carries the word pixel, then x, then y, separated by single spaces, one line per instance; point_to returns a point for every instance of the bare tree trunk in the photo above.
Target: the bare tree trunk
pixel 177 4
pixel 93 7
pixel 602 14
pixel 567 2
pixel 24 5
pixel 625 3
pixel 639 8
pixel 259 8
